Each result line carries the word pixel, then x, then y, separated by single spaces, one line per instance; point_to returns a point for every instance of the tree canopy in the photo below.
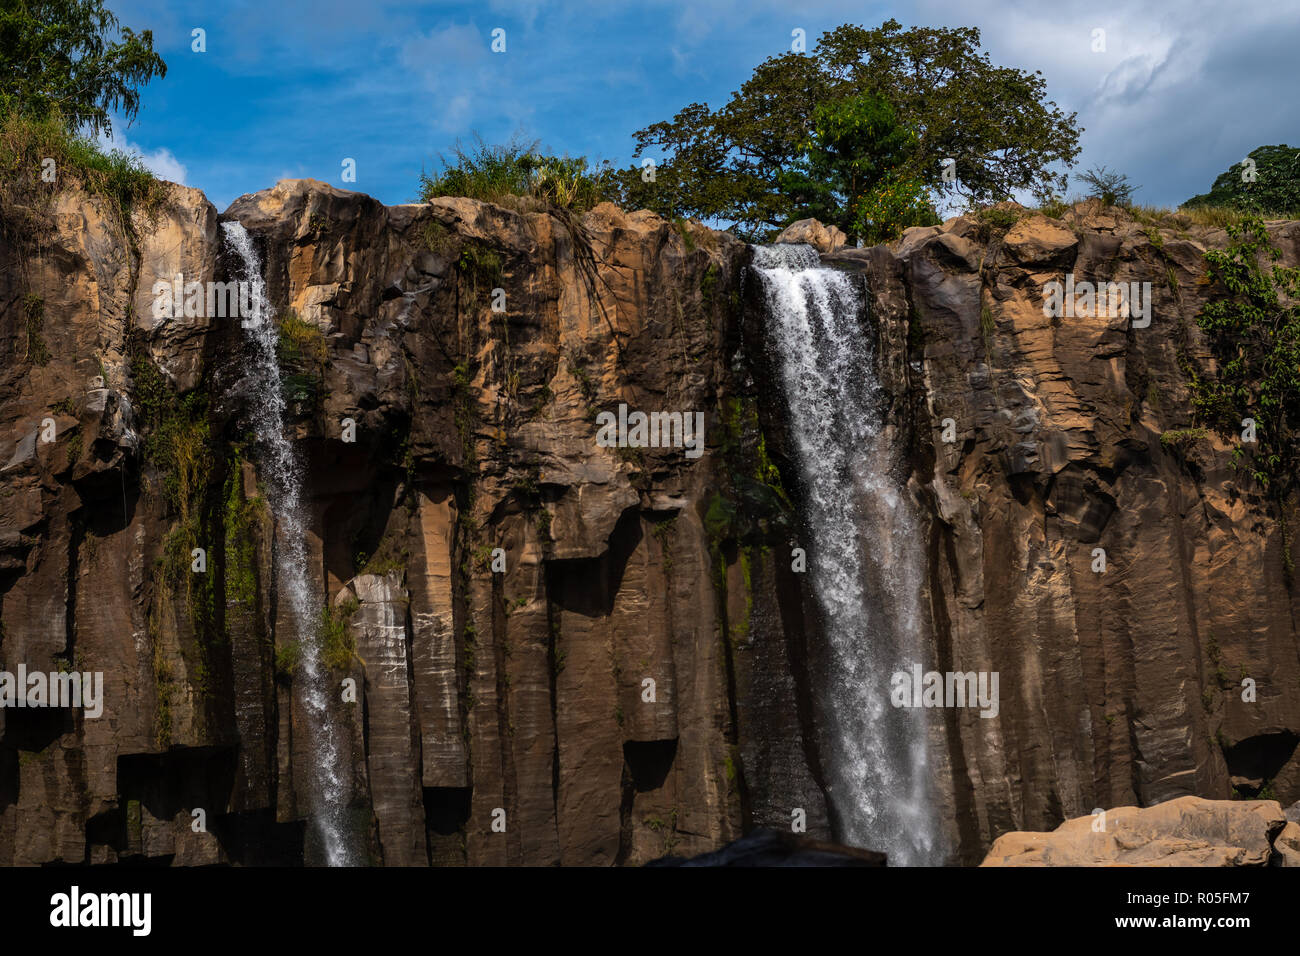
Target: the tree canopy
pixel 751 161
pixel 850 164
pixel 68 57
pixel 1269 183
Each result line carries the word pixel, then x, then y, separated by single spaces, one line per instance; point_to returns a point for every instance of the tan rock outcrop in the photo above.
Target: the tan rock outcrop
pixel 1286 846
pixel 1188 831
pixel 823 238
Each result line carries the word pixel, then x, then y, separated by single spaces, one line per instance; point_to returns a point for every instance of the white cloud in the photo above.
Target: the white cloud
pixel 1183 88
pixel 161 162
pixel 522 11
pixel 442 53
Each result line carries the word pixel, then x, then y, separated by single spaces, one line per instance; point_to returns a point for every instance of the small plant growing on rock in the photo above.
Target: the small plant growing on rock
pixel 999 218
pixel 1053 206
pixel 1181 440
pixel 34 310
pixel 337 644
pixel 438 239
pixel 303 353
pixel 988 327
pixel 666 829
pixel 388 559
pixel 1111 187
pixel 299 341
pixel 480 265
pixel 287 657
pixel 517 175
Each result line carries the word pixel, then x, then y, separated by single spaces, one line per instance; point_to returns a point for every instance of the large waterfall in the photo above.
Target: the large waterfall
pixel 865 553
pixel 282 472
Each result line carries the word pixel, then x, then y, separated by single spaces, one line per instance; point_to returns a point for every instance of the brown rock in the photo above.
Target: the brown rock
pixel 1188 831
pixel 1286 845
pixel 524 690
pixel 1120 687
pixel 825 239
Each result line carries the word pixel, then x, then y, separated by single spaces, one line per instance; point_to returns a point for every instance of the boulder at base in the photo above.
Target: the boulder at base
pixel 1189 831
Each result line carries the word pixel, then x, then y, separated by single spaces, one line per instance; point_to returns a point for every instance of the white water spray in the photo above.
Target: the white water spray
pixel 866 560
pixel 280 468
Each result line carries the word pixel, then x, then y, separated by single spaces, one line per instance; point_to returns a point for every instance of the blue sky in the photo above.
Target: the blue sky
pixel 1183 89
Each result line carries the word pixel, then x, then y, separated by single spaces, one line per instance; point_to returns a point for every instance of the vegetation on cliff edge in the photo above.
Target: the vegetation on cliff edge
pixel 65 66
pixel 1254 333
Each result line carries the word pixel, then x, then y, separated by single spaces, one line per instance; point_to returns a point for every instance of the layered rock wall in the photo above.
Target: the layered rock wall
pixel 523 690
pixel 1119 687
pixel 511 685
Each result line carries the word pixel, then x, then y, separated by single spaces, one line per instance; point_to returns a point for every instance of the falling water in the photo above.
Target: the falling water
pixel 865 553
pixel 283 474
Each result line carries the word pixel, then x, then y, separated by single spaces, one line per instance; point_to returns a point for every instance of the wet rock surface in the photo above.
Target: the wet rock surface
pixel 776 848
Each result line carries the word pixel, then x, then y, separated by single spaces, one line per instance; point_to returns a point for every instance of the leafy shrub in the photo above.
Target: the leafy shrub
pixel 1254 334
pixel 1111 187
pixel 897 203
pixel 1274 193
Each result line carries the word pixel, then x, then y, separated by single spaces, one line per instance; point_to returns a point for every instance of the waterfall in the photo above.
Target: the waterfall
pixel 865 553
pixel 282 472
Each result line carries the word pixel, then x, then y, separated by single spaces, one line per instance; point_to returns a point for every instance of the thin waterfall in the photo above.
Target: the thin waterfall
pixel 865 553
pixel 280 468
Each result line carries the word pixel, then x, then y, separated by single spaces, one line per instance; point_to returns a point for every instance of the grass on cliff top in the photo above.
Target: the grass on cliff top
pixel 1182 218
pixel 1213 217
pixel 33 150
pixel 519 177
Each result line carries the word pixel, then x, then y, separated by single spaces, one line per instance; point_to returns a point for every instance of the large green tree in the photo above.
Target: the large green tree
pixel 731 163
pixel 70 57
pixel 1268 183
pixel 856 145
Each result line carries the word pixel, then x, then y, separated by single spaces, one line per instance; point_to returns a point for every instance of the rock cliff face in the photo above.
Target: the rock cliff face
pixel 1118 687
pixel 635 671
pixel 524 689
